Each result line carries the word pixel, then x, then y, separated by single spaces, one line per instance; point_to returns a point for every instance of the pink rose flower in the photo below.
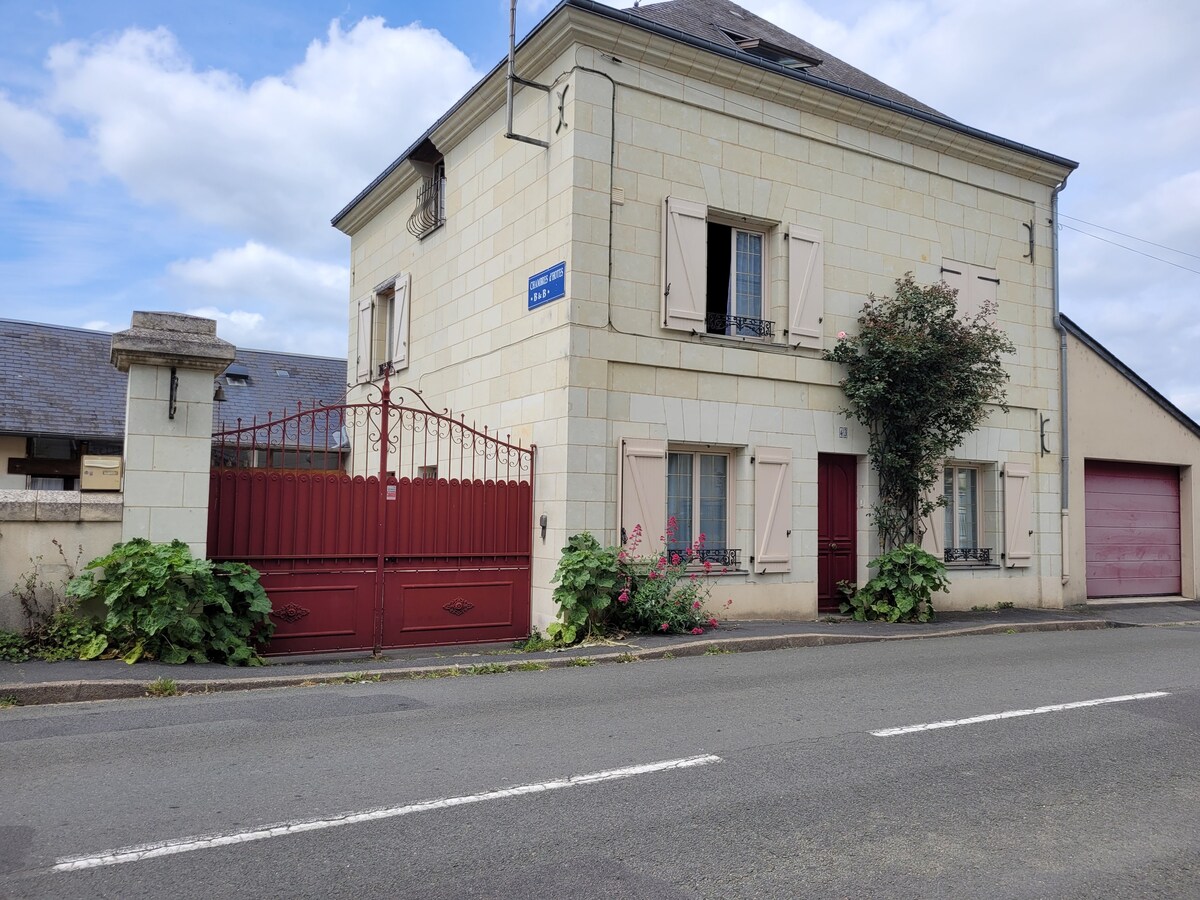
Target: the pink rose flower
pixel 697 630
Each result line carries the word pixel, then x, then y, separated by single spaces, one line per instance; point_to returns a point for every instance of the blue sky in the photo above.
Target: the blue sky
pixel 189 156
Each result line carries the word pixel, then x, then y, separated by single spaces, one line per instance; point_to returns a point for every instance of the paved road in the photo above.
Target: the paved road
pixel 784 791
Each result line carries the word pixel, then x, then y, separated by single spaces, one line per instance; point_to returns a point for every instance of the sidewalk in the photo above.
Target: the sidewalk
pixel 36 682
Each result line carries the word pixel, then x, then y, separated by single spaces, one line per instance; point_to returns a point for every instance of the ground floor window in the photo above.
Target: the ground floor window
pixel 698 500
pixel 963 515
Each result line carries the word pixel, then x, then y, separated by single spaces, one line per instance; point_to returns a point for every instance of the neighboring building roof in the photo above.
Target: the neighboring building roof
pixel 1133 377
pixel 59 381
pixel 720 20
pixel 261 382
pixel 684 21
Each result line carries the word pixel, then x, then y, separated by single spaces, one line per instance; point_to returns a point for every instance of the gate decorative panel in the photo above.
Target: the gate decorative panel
pixel 377 525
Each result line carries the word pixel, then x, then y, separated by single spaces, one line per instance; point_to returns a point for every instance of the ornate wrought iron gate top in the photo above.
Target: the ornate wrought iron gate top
pixel 380 437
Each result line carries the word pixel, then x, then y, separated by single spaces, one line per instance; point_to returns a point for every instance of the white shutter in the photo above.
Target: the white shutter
pixel 643 491
pixel 400 322
pixel 1018 516
pixel 806 287
pixel 362 368
pixel 934 540
pixel 983 290
pixel 975 285
pixel 772 509
pixel 685 265
pixel 957 275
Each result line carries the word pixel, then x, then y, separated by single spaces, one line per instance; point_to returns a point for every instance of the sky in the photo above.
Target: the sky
pixel 189 156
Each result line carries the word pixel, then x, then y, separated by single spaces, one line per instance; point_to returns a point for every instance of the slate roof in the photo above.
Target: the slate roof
pixel 712 19
pixel 58 381
pixel 680 20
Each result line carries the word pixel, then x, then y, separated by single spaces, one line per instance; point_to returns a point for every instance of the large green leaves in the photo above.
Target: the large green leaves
pixel 165 604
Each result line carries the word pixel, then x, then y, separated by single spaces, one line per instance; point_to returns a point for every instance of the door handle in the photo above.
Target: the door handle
pixel 833 546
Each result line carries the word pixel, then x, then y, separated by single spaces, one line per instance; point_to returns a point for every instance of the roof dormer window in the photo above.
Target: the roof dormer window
pixel 772 52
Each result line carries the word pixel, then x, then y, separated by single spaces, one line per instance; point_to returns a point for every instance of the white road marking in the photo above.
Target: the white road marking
pixel 1015 713
pixel 186 845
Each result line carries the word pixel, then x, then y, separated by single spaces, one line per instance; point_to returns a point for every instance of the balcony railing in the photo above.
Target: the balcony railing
pixel 720 323
pixel 431 209
pixel 719 556
pixel 968 554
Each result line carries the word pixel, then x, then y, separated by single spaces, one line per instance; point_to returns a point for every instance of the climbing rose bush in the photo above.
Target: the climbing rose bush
pixel 663 592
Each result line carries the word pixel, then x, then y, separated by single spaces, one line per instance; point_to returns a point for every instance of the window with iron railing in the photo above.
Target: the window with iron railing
pixel 430 211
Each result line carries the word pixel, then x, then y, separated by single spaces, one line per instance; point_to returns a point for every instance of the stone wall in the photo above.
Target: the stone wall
pixel 85 525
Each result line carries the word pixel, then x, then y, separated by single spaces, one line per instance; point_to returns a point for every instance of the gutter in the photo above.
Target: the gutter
pixel 1064 430
pixel 633 20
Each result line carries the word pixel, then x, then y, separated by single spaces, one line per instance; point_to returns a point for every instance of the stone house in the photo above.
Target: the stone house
pixel 637 265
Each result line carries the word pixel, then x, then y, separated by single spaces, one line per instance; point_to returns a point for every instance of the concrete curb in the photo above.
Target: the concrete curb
pixel 90 691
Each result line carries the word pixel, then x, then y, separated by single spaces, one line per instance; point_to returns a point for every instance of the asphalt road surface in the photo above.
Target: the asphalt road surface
pixel 793 773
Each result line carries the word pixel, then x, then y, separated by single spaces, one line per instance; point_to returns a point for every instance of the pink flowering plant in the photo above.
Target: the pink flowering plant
pixel 664 591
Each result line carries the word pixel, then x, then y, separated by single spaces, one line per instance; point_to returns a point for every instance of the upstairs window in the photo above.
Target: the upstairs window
pixel 736 263
pixel 431 202
pixel 383 329
pixel 715 277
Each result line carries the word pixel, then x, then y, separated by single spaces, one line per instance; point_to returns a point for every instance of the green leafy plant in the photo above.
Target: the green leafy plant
pixel 67 634
pixel 534 643
pixel 8 701
pixel 165 604
pixel 13 647
pixel 162 687
pixel 920 379
pixel 582 661
pixel 587 579
pixel 901 589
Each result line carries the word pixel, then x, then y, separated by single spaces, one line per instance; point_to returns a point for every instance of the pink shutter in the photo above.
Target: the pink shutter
pixel 772 509
pixel 685 265
pixel 400 322
pixel 362 367
pixel 643 491
pixel 806 287
pixel 1018 516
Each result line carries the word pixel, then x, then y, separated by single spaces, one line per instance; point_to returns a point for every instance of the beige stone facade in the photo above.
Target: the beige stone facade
pixel 840 194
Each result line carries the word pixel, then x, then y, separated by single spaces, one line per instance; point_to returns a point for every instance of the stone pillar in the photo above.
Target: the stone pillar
pixel 172 360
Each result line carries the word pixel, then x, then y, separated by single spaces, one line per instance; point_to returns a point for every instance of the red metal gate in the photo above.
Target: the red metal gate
pixel 377 525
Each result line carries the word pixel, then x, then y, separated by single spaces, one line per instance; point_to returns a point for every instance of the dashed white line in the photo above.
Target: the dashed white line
pixel 281 829
pixel 1015 713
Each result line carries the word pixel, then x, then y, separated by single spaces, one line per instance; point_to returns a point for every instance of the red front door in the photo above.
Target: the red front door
pixel 837 525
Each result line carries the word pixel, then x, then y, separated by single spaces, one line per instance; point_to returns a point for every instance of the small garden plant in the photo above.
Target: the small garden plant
pixel 901 589
pixel 602 588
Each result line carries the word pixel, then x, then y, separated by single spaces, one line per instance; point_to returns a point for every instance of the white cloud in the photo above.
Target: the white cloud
pixel 38 152
pixel 263 297
pixel 274 159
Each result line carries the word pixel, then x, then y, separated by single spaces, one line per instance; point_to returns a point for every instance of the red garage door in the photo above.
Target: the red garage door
pixel 1132 524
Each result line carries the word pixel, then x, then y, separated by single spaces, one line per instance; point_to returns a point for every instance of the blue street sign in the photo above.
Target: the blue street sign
pixel 547 285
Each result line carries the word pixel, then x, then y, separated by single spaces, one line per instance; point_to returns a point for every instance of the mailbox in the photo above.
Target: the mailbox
pixel 100 473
